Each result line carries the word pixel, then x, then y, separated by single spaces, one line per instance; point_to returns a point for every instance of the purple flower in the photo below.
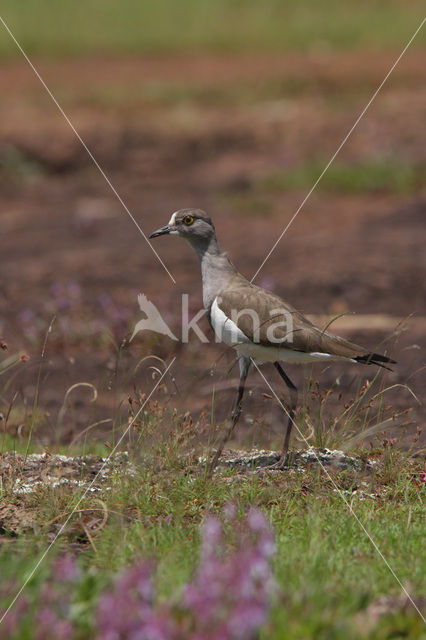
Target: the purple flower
pixel 9 628
pixel 65 569
pixel 74 290
pixel 26 316
pixel 116 315
pixel 127 613
pixel 50 627
pixel 227 599
pixel 230 594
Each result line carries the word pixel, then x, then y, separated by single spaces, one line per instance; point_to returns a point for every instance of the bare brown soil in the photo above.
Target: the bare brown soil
pixel 231 121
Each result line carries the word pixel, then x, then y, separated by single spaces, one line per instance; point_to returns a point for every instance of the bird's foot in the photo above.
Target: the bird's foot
pixel 284 462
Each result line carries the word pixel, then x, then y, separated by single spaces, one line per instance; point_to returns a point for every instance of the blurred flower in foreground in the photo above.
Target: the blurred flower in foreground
pixel 48 617
pixel 230 594
pixel 11 625
pixel 228 598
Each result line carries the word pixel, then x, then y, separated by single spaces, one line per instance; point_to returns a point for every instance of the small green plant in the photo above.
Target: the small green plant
pixel 166 436
pixel 348 424
pixel 18 166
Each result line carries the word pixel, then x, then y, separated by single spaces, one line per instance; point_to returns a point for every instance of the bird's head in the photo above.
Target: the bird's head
pixel 192 224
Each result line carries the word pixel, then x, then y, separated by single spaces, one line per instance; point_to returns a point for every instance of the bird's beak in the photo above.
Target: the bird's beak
pixel 161 232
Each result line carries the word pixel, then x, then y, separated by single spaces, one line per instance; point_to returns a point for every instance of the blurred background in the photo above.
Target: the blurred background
pixel 234 107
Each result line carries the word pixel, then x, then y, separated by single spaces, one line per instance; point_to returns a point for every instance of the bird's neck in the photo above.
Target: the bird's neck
pixel 216 269
pixel 206 247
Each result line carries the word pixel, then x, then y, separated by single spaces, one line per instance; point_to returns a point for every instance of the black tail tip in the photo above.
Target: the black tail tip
pixel 376 358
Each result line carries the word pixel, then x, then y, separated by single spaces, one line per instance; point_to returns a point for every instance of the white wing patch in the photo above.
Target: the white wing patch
pixel 225 329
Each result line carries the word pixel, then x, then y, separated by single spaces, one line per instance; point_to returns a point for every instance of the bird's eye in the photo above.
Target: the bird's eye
pixel 188 220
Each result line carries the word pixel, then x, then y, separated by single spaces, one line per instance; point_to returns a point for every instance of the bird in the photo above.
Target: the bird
pixel 258 324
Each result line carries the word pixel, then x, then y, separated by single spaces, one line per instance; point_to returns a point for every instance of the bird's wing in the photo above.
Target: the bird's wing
pixel 268 320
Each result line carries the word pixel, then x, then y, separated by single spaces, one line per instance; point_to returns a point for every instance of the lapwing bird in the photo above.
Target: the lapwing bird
pixel 260 325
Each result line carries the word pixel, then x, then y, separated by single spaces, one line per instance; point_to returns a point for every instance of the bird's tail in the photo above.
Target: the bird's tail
pixel 376 358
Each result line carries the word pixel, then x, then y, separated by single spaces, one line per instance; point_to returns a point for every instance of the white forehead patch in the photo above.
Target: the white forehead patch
pixel 172 221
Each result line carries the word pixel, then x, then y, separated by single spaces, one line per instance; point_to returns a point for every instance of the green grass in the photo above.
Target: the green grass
pixel 59 27
pixel 20 445
pixel 327 569
pixel 381 175
pixel 386 175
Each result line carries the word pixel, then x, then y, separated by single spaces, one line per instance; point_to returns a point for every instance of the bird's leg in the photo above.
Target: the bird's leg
pixel 293 404
pixel 244 364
